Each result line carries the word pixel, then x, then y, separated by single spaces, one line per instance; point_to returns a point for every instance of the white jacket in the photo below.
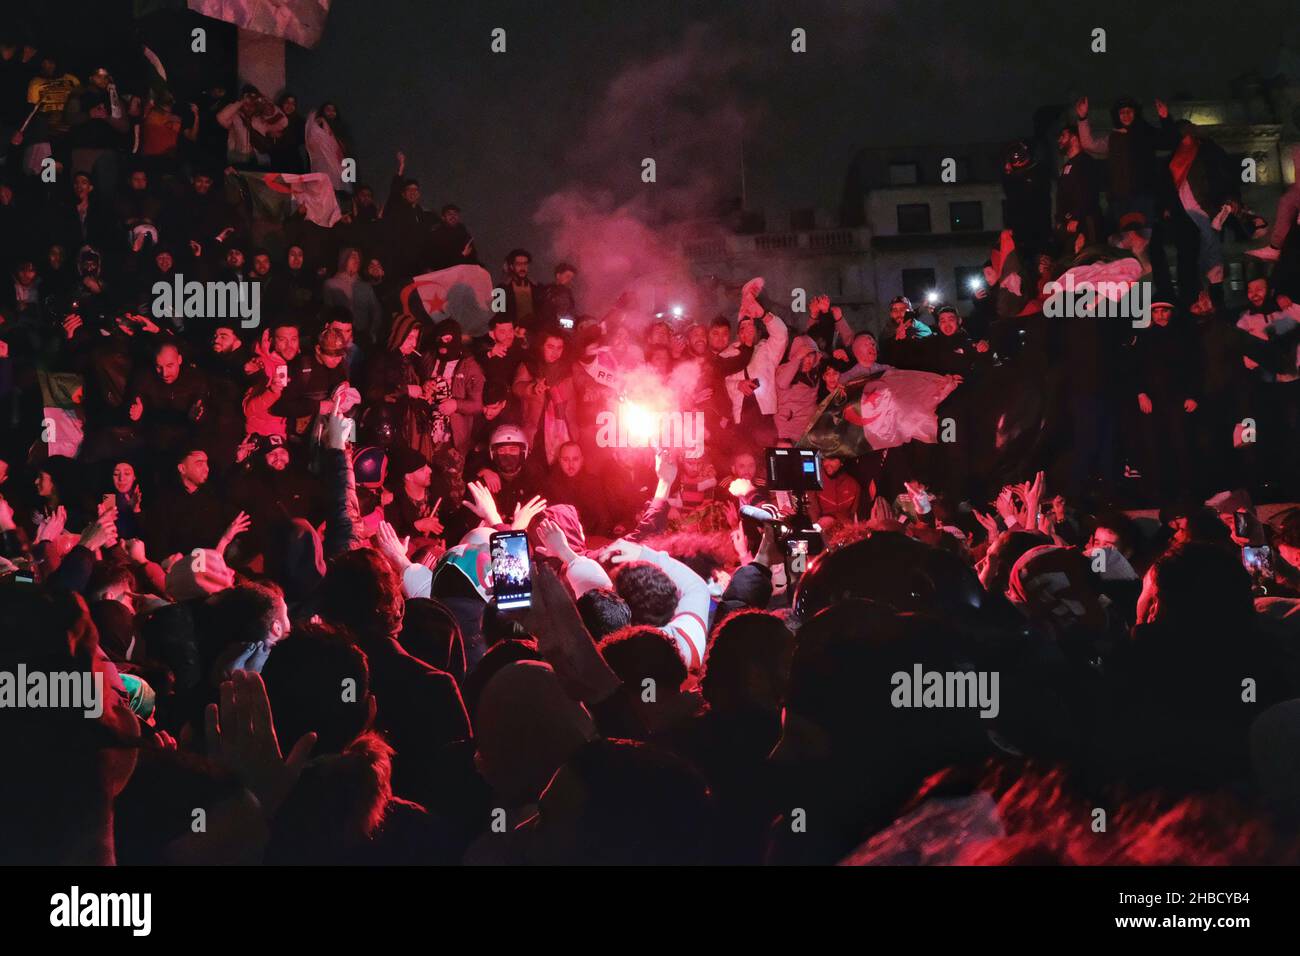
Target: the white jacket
pixel 762 366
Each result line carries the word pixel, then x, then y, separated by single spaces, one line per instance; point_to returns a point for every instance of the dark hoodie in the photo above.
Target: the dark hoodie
pixel 1132 168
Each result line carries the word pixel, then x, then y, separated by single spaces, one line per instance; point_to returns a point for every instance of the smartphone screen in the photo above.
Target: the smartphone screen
pixel 1241 524
pixel 1257 560
pixel 512 570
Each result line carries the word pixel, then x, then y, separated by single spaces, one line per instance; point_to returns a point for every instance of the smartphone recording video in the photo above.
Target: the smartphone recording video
pixel 512 570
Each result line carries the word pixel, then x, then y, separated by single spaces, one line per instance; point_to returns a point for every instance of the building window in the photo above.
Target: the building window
pixel 904 174
pixel 913 217
pixel 966 216
pixel 917 283
pixel 803 220
pixel 968 280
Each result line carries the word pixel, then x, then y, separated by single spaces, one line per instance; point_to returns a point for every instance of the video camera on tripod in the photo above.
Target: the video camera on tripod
pixel 795 471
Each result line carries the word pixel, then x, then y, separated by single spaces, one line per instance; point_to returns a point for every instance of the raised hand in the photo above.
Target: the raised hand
pixel 52 527
pixel 491 479
pixel 665 468
pixel 392 547
pixel 526 512
pixel 1006 506
pixel 483 504
pixel 554 540
pixel 100 533
pixel 621 552
pixel 237 527
pixel 241 735
pixel 987 522
pixel 338 431
pixel 1033 496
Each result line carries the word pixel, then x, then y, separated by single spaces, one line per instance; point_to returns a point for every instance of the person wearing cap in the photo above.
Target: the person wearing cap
pixel 273 487
pixel 1165 376
pixel 314 384
pixel 1027 187
pixel 418 497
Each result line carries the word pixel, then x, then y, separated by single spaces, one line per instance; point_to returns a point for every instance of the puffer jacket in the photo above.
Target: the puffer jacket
pixel 796 399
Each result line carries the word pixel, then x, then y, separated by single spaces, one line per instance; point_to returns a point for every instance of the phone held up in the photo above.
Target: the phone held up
pixel 512 570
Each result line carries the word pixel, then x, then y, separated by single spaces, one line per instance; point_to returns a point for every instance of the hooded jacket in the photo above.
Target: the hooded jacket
pixel 796 397
pixel 1132 168
pixel 354 294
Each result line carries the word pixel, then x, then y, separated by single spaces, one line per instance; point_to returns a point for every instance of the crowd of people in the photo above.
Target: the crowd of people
pixel 270 536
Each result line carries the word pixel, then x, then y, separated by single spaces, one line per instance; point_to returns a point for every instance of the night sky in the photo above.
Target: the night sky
pixel 586 90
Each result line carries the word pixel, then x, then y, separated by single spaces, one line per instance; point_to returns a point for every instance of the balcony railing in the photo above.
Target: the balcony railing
pixel 819 241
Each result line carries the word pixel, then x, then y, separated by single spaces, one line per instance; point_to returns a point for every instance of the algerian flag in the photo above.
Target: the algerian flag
pixel 463 293
pixel 301 21
pixel 276 196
